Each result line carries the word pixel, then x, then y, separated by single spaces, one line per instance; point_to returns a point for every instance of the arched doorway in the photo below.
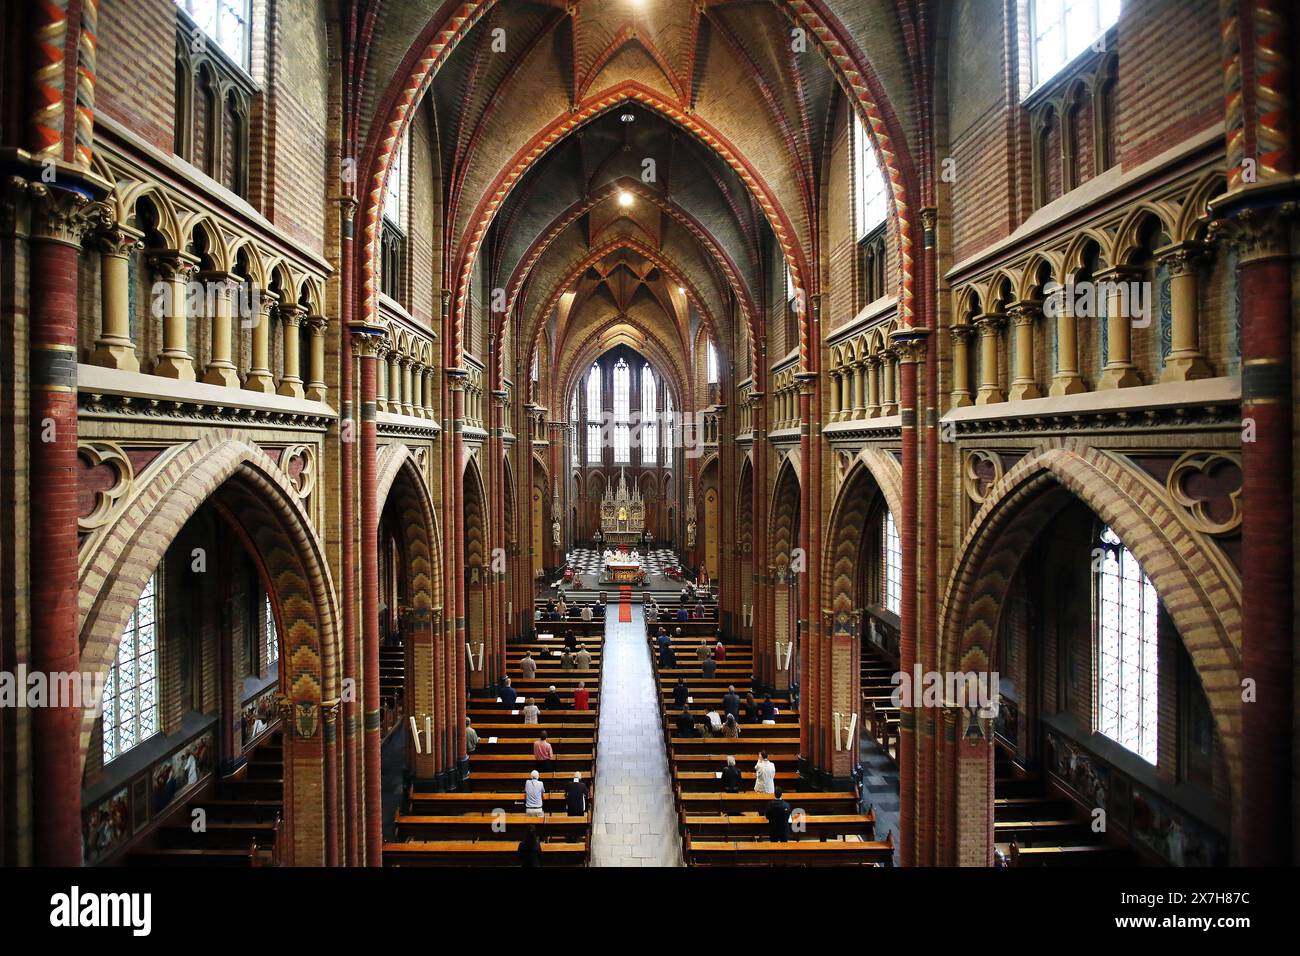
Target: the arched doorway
pixel 745 546
pixel 780 654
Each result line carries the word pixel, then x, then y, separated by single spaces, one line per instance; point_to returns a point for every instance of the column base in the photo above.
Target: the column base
pixel 260 382
pixel 223 373
pixel 1185 367
pixel 1070 384
pixel 961 399
pixel 1119 376
pixel 290 388
pixel 823 780
pixel 179 367
pixel 989 395
pixel 1023 390
pixel 317 392
pixel 118 355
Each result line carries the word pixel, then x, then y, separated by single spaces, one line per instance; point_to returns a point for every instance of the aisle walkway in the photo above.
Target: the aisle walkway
pixel 635 823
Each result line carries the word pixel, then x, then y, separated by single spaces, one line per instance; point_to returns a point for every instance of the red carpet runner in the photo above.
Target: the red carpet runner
pixel 625 605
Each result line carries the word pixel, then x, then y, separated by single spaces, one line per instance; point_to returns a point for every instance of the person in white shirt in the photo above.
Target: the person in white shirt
pixel 764 774
pixel 534 790
pixel 586 612
pixel 582 658
pixel 528 666
pixel 531 713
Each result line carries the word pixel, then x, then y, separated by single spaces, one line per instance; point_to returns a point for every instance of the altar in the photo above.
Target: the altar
pixel 622 514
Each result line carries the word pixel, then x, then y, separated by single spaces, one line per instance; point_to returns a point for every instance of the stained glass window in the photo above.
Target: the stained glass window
pixel 131 691
pixel 869 202
pixel 1127 675
pixel 1062 29
pixel 573 429
pixel 711 364
pixel 668 429
pixel 649 399
pixel 225 22
pixel 622 412
pixel 272 638
pixel 893 553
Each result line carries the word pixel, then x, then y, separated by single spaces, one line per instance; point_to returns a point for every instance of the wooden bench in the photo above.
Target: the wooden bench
pixel 489 826
pixel 484 853
pixel 754 826
pixel 791 853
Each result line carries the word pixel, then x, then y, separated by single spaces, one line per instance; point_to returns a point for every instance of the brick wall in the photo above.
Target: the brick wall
pixel 138 39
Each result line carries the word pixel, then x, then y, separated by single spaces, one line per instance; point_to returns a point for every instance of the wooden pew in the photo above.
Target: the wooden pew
pixel 791 853
pixel 754 826
pixel 483 853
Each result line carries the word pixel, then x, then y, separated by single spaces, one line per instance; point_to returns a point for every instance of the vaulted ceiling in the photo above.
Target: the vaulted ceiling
pixel 627 164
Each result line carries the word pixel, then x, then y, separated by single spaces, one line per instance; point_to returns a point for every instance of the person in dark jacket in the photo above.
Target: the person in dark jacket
pixel 507 693
pixel 778 818
pixel 730 776
pixel 552 701
pixel 767 709
pixel 710 667
pixel 667 658
pixel 575 797
pixel 681 693
pixel 731 702
pixel 685 723
pixel 751 708
pixel 530 849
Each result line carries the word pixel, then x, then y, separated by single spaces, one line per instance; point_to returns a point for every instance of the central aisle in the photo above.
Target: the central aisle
pixel 634 823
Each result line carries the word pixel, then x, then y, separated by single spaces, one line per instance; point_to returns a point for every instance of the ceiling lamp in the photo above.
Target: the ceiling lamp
pixel 627 117
pixel 681 289
pixel 624 198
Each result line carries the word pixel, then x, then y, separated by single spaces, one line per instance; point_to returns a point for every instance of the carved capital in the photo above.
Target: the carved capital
pixel 990 325
pixel 1024 313
pixel 60 215
pixel 1257 232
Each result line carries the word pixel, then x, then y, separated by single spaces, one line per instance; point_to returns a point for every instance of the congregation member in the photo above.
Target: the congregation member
pixel 544 754
pixel 552 701
pixel 730 728
pixel 767 710
pixel 667 656
pixel 685 723
pixel 471 737
pixel 575 797
pixel 528 666
pixel 568 660
pixel 764 774
pixel 710 667
pixel 702 651
pixel 581 697
pixel 730 776
pixel 507 693
pixel 586 612
pixel 532 714
pixel 778 818
pixel 751 709
pixel 681 693
pixel 582 659
pixel 731 702
pixel 534 790
pixel 719 651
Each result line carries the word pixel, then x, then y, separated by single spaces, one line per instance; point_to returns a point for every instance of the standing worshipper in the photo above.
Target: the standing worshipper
pixel 764 774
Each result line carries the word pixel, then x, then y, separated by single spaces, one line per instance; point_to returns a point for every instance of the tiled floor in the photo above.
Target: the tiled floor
pixel 880 789
pixel 634 823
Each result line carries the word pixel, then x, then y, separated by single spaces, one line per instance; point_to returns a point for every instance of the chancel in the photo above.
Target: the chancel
pixel 648 432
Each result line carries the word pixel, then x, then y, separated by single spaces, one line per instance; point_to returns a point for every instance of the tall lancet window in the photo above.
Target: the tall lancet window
pixel 668 429
pixel 869 206
pixel 649 399
pixel 594 412
pixel 893 554
pixel 573 430
pixel 131 691
pixel 1127 649
pixel 622 413
pixel 711 364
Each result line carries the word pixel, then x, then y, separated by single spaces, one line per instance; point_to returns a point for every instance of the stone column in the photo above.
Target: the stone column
pixel 1119 371
pixel 291 316
pixel 259 376
pixel 429 382
pixel 837 406
pixel 1023 316
pixel 175 269
pixel 990 329
pixel 394 373
pixel 961 365
pixel 889 372
pixel 115 348
pixel 408 385
pixel 221 369
pixel 860 389
pixel 872 363
pixel 1065 379
pixel 1184 361
pixel 317 390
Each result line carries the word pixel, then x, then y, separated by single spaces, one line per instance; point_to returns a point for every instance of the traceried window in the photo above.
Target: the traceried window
pixel 272 637
pixel 893 554
pixel 668 429
pixel 593 416
pixel 392 238
pixel 225 22
pixel 395 189
pixel 622 413
pixel 1127 675
pixel 573 430
pixel 131 691
pixel 649 399
pixel 869 206
pixel 536 369
pixel 711 364
pixel 1062 29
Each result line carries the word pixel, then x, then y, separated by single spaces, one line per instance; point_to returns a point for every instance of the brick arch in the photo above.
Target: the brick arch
pixel 1201 595
pixel 227 466
pixel 400 481
pixel 784 513
pixel 673 375
pixel 874 475
pixel 476 521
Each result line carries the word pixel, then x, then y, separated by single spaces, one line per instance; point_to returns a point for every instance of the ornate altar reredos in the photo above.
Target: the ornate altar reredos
pixel 622 514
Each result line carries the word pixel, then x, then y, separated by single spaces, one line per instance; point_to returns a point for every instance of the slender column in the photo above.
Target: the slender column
pixel 221 370
pixel 1023 316
pixel 381 379
pixel 889 373
pixel 58 224
pixel 259 376
pixel 1119 371
pixel 408 385
pixel 860 389
pixel 1185 361
pixel 837 406
pixel 317 390
pixel 175 269
pixel 394 372
pixel 429 383
pixel 847 398
pixel 291 316
pixel 1066 379
pixel 873 385
pixel 961 365
pixel 990 329
pixel 115 348
pixel 367 345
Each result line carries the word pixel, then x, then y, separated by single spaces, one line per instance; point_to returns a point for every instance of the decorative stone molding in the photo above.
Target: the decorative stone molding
pixel 107 500
pixel 1201 507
